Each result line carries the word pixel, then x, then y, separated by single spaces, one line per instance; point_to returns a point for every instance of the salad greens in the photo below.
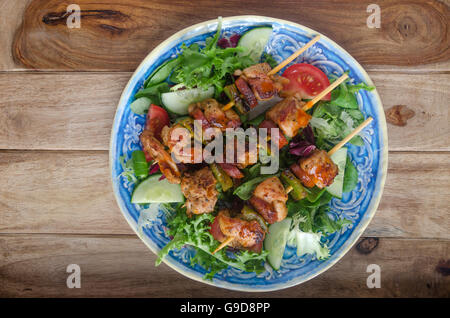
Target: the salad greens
pixel 194 231
pixel 311 222
pixel 127 169
pixel 350 176
pixel 335 119
pixel 245 190
pixel 153 93
pixel 209 66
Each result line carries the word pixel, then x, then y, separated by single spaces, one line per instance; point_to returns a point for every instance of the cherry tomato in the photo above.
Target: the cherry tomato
pixel 307 80
pixel 157 118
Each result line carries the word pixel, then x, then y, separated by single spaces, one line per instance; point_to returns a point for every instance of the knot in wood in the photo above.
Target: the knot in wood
pixel 367 245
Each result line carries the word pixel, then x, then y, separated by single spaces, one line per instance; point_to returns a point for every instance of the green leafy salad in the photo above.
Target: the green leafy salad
pixel 214 72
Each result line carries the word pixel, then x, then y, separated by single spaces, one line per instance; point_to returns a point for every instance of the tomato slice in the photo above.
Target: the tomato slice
pixel 306 80
pixel 157 118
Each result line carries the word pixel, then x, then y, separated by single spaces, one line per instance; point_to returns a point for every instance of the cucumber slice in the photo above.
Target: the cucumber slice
pixel 255 41
pixel 340 159
pixel 178 101
pixel 153 190
pixel 140 106
pixel 275 242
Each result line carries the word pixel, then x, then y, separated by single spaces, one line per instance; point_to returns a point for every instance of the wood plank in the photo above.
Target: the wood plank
pixel 427 96
pixel 70 192
pixel 35 266
pixel 55 110
pixel 58 111
pixel 121 33
pixel 413 202
pixel 11 15
pixel 58 192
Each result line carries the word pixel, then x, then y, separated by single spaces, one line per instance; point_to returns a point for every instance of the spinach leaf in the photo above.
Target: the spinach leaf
pixel 342 97
pixel 323 223
pixel 161 73
pixel 350 176
pixel 357 87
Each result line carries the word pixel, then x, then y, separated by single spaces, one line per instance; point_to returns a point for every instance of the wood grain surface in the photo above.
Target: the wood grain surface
pixel 54 111
pixel 70 192
pixel 118 34
pixel 35 265
pixel 59 89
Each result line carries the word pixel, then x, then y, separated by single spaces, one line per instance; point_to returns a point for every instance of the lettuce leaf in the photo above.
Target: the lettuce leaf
pixel 334 120
pixel 332 123
pixel 308 243
pixel 311 221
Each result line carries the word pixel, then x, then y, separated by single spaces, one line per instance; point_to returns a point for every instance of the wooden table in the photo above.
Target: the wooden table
pixel 59 89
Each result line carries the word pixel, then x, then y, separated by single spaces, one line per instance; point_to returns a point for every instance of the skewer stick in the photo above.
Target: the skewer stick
pixel 319 96
pixel 332 151
pixel 350 136
pixel 223 244
pixel 294 56
pixel 228 106
pixel 283 64
pixel 344 141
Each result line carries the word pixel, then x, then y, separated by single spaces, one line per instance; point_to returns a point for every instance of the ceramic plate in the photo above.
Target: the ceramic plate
pixel 359 206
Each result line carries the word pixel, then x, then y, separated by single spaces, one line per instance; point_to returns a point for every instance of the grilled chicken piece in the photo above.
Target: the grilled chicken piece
pixel 152 146
pixel 247 235
pixel 262 86
pixel 178 139
pixel 246 157
pixel 279 82
pixel 279 139
pixel 289 116
pixel 234 120
pixel 247 94
pixel 269 199
pixel 317 169
pixel 211 114
pixel 199 188
pixel 305 179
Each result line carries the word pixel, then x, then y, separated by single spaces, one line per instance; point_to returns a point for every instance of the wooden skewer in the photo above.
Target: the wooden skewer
pixel 344 141
pixel 294 56
pixel 350 136
pixel 228 106
pixel 319 96
pixel 283 64
pixel 223 244
pixel 332 151
pixel 307 106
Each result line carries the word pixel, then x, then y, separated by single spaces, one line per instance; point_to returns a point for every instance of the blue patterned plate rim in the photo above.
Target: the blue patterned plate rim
pixel 209 26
